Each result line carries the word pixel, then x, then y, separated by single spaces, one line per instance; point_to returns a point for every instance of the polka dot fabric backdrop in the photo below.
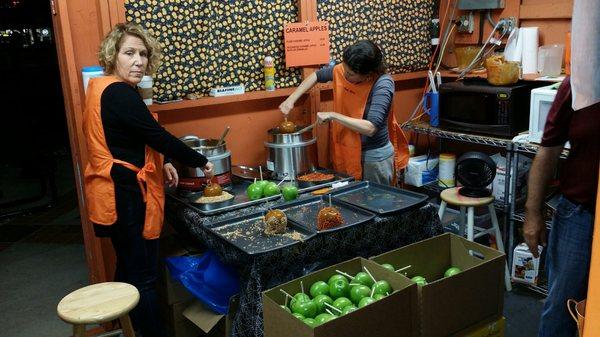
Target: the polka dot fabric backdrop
pixel 400 27
pixel 212 43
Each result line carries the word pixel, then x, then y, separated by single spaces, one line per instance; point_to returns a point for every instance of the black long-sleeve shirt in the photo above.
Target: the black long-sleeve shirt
pixel 129 127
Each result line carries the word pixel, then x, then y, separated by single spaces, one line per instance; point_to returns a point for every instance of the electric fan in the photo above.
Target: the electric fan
pixel 475 171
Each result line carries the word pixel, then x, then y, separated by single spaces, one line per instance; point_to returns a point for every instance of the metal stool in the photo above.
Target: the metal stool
pixel 452 197
pixel 99 303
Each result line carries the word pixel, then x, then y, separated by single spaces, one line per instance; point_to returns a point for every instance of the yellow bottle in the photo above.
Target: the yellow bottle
pixel 269 69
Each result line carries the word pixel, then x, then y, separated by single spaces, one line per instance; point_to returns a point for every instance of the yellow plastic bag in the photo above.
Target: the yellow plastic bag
pixel 500 71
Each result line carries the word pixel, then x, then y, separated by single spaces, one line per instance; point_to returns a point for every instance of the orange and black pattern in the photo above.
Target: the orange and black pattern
pixel 400 27
pixel 212 43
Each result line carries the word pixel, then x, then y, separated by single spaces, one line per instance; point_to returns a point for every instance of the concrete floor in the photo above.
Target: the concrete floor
pixel 42 259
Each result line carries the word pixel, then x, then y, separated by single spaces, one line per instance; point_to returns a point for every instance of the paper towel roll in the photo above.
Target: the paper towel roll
pixel 514 46
pixel 529 38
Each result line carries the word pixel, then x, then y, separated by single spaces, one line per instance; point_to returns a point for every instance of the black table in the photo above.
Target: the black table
pixel 262 272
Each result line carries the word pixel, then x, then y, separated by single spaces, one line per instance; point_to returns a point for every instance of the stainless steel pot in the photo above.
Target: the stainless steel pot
pixel 192 178
pixel 291 153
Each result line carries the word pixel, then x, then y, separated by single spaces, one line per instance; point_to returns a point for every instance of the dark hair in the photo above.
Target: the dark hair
pixel 365 57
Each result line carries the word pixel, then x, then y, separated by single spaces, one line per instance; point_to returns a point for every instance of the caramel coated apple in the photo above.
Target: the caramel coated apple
pixel 275 222
pixel 287 127
pixel 329 217
pixel 212 190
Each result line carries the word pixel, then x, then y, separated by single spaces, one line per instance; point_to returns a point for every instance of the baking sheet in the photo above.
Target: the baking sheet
pixel 305 212
pixel 247 234
pixel 380 199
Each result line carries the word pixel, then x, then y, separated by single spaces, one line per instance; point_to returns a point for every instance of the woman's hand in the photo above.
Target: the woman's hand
pixel 286 106
pixel 208 170
pixel 324 117
pixel 171 176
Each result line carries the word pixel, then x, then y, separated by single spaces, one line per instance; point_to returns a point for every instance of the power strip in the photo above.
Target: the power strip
pixel 227 91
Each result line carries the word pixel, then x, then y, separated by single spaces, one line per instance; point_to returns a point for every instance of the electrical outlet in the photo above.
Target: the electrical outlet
pixel 510 23
pixel 466 23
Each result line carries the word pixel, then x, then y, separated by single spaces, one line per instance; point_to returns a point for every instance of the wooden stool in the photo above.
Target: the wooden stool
pixel 452 197
pixel 99 303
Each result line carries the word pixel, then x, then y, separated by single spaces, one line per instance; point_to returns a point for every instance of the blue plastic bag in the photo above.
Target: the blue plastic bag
pixel 209 280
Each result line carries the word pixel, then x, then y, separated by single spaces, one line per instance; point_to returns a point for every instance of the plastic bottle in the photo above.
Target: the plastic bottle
pixel 90 72
pixel 446 169
pixel 269 70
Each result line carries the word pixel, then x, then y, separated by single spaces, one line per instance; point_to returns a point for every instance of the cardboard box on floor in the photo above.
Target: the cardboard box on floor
pixel 394 315
pixel 494 328
pixel 449 305
pixel 193 319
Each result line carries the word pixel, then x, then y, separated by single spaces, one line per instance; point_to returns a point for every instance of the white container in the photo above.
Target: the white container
pixel 446 167
pixel 90 72
pixel 421 170
pixel 541 101
pixel 525 267
pixel 550 59
pixel 145 89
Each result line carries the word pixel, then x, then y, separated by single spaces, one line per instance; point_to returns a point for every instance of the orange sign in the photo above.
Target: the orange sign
pixel 306 43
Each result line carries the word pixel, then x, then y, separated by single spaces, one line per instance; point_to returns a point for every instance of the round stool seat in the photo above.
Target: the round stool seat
pixel 98 303
pixel 451 196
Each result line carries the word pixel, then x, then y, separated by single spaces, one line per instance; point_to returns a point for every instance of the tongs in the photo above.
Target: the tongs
pixel 307 128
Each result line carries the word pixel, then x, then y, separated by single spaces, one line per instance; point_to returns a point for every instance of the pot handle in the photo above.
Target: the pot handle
pixel 188 137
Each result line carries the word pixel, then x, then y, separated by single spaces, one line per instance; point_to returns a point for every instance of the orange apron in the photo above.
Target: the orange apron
pixel 99 186
pixel 350 100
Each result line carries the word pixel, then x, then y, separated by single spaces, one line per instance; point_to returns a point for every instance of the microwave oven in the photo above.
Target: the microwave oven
pixel 475 106
pixel 541 101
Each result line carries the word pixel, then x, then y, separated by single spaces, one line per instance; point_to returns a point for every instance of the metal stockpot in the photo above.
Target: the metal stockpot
pixel 291 153
pixel 192 178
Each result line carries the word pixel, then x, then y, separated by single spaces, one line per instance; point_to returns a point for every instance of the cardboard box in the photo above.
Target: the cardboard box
pixel 449 305
pixel 494 328
pixel 193 319
pixel 394 315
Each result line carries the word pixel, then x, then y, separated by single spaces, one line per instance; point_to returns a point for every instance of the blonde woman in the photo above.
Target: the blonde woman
pixel 124 182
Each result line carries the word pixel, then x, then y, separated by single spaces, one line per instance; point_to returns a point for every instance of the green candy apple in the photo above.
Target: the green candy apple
pixel 299 297
pixel 365 301
pixel 363 278
pixel 336 277
pixel 341 303
pixel 310 322
pixel 285 308
pixel 339 288
pixel 262 183
pixel 322 318
pixel 319 288
pixel 358 292
pixel 452 271
pixel 382 287
pixel 254 191
pixel 420 280
pixel 388 267
pixel 298 316
pixel 320 301
pixel 289 191
pixel 308 309
pixel 271 189
pixel 348 309
pixel 377 297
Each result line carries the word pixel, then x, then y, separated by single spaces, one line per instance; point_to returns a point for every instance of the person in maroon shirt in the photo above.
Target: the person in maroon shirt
pixel 569 245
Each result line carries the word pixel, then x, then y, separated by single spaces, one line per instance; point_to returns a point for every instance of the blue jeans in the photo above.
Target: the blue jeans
pixel 568 262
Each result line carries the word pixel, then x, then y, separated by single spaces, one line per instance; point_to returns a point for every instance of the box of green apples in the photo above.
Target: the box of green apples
pixel 355 298
pixel 461 283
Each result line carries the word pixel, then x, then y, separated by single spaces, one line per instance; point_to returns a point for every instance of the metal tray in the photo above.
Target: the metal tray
pixel 379 199
pixel 241 200
pixel 304 212
pixel 247 234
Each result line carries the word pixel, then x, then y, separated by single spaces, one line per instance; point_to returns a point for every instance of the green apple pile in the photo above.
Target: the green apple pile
pixel 336 297
pixel 263 188
pixel 420 280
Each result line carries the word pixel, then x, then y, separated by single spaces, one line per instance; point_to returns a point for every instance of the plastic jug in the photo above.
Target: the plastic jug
pixel 550 59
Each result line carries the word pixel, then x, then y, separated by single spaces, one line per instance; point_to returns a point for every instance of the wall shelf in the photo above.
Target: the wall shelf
pixel 424 128
pixel 396 77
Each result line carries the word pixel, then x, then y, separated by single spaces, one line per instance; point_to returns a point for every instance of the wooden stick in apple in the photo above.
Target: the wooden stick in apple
pixel 344 274
pixel 370 275
pixel 302 287
pixel 282 180
pixel 404 268
pixel 329 200
pixel 260 170
pixel 329 312
pixel 286 294
pixel 332 307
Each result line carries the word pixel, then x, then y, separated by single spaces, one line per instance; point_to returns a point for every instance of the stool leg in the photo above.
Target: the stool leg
pixel 126 326
pixel 461 220
pixel 79 330
pixel 470 223
pixel 442 210
pixel 500 244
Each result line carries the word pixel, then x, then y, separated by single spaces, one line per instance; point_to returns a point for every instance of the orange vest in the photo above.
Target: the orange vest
pixel 350 100
pixel 99 186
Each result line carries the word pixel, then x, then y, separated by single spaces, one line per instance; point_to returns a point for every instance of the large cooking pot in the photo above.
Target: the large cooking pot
pixel 191 178
pixel 291 153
